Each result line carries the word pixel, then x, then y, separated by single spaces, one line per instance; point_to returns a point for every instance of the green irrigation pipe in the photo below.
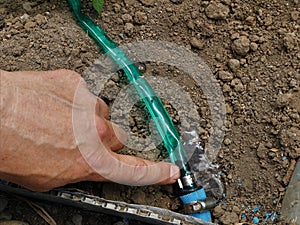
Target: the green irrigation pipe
pixel 159 114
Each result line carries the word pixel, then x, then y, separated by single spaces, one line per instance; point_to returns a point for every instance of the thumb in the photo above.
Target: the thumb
pixel 136 171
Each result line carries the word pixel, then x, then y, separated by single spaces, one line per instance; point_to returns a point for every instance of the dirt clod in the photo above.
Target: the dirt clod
pixel 27 6
pixel 147 2
pixel 129 29
pixel 295 15
pixel 196 43
pixel 218 211
pixel 29 25
pixel 217 11
pixel 40 19
pixel 234 64
pixel 225 76
pixel 291 41
pixel 127 18
pixel 241 46
pixel 229 218
pixel 140 18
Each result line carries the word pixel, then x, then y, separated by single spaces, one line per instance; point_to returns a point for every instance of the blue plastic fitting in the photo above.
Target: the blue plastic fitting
pixel 195 196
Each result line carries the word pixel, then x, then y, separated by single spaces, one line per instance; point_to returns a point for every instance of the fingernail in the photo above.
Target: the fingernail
pixel 174 172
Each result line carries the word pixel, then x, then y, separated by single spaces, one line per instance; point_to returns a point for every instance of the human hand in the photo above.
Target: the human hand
pixel 55 132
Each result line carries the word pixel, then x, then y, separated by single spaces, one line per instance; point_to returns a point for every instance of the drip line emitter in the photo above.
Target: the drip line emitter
pixel 193 197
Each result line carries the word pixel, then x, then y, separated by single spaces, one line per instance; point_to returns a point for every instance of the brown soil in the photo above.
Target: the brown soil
pixel 253 49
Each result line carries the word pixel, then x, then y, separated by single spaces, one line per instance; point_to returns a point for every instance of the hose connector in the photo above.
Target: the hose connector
pixel 197 204
pixel 187 183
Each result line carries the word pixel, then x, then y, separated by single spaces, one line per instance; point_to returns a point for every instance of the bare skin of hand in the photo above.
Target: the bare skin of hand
pixel 41 149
